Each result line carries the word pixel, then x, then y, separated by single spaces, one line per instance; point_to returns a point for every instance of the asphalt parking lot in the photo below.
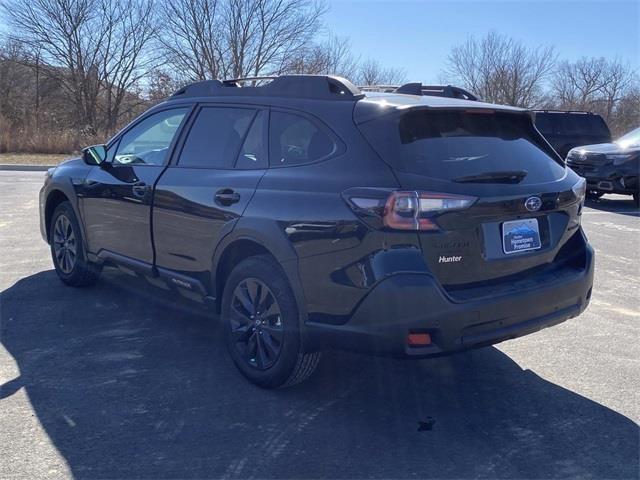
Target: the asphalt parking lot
pixel 116 382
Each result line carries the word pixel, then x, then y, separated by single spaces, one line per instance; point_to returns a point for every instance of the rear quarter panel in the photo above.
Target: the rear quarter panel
pixel 305 204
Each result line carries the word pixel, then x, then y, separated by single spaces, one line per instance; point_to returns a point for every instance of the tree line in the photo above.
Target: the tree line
pixel 503 70
pixel 74 71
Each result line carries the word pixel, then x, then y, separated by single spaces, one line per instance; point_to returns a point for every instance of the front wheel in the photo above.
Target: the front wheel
pixel 67 249
pixel 262 330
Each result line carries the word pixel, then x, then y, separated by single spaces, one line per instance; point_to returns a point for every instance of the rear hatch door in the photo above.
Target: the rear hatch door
pixel 524 207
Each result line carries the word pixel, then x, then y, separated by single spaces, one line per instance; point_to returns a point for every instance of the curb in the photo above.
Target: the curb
pixel 26 168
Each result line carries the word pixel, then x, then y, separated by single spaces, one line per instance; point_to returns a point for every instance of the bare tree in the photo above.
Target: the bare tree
pixel 193 38
pixel 34 110
pixel 371 72
pixel 592 84
pixel 332 57
pixel 237 38
pixel 14 81
pixel 620 79
pixel 626 114
pixel 93 48
pixel 262 35
pixel 129 26
pixel 161 85
pixel 576 85
pixel 501 70
pixel 59 27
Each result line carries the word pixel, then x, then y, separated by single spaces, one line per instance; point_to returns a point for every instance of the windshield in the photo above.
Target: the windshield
pixel 454 144
pixel 631 139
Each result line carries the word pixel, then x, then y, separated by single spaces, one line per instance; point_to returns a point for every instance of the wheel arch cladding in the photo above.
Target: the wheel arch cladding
pixel 54 198
pixel 240 246
pixel 234 253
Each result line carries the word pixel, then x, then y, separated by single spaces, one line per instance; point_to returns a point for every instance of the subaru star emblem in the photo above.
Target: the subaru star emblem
pixel 533 204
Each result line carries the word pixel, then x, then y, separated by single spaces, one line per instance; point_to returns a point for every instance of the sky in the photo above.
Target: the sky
pixel 416 35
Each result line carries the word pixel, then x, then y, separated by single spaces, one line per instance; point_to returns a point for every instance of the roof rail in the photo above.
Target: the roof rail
pixel 378 88
pixel 416 88
pixel 563 111
pixel 237 82
pixel 199 89
pixel 318 87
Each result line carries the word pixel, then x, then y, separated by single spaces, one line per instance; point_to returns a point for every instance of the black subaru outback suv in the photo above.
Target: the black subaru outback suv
pixel 313 216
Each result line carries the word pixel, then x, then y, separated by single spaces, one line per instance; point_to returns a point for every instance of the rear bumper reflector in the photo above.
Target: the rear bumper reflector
pixel 418 339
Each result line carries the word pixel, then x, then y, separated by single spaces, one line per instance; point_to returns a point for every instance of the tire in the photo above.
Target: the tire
pixel 67 249
pixel 636 199
pixel 265 346
pixel 594 194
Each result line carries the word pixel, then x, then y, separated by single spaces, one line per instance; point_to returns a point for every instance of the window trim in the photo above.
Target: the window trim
pixel 177 153
pixel 339 145
pixel 265 139
pixel 115 140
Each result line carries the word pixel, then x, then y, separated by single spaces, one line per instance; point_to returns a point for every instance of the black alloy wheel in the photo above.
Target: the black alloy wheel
pixel 262 325
pixel 65 247
pixel 256 324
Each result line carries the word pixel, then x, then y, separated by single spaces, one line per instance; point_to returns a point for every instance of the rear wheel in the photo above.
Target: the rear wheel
pixel 67 249
pixel 261 325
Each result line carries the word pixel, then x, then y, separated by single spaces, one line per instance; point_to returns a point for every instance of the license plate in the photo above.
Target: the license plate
pixel 520 235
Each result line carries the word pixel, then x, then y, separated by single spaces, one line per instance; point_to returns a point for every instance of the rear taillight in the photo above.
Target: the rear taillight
pixel 414 210
pixel 403 210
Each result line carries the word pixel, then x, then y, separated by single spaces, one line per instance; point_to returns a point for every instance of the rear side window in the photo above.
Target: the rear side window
pixel 294 140
pixel 215 137
pixel 448 145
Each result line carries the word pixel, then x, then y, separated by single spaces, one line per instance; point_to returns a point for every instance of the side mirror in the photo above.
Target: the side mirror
pixel 94 155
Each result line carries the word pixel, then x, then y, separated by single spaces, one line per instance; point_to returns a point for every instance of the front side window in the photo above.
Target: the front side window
pixel 215 137
pixel 148 142
pixel 294 140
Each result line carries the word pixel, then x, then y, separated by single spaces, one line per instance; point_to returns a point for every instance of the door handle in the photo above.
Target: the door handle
pixel 140 189
pixel 227 197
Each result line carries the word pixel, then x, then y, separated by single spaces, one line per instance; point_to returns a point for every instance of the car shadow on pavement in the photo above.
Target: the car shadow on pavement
pixel 128 386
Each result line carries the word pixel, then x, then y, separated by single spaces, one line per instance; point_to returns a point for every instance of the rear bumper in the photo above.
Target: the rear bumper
pixel 412 302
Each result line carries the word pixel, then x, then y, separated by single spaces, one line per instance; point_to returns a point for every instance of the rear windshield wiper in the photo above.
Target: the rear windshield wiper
pixel 515 176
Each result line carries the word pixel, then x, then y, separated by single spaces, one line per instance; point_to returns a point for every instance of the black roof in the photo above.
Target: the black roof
pixel 370 104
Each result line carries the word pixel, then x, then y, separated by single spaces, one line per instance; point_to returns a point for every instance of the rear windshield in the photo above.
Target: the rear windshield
pixel 574 124
pixel 452 144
